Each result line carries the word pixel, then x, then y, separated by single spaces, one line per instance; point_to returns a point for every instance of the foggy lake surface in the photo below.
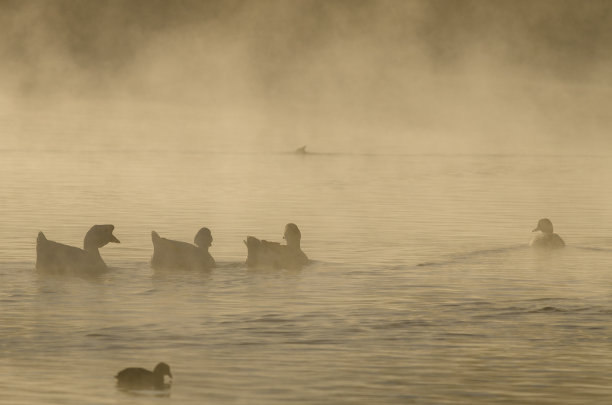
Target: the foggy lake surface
pixel 423 288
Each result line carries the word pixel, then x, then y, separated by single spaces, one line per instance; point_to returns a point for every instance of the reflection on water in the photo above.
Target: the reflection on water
pixel 422 290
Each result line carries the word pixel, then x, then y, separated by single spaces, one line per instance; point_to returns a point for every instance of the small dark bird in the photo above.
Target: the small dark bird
pixel 139 378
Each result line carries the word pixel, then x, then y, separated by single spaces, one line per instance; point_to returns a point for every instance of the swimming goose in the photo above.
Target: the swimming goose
pixel 172 254
pixel 139 378
pixel 262 253
pixel 57 257
pixel 547 239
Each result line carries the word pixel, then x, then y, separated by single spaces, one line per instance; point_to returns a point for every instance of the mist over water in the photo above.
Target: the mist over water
pixel 438 133
pixel 424 76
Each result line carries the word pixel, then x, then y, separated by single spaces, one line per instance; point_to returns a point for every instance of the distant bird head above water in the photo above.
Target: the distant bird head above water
pixel 544 225
pixel 99 235
pixel 203 238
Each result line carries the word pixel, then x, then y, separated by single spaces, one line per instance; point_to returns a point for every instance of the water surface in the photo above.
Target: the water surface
pixel 423 288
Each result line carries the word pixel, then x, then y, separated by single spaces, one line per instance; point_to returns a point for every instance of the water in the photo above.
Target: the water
pixel 423 288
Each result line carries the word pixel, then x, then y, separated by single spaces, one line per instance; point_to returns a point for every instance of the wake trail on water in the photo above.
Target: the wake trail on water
pixel 595 249
pixel 465 256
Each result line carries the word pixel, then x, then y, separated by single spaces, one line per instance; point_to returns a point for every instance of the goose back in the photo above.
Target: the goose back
pixel 262 253
pixel 172 254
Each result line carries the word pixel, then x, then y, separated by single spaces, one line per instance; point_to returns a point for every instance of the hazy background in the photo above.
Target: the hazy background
pixel 463 123
pixel 360 76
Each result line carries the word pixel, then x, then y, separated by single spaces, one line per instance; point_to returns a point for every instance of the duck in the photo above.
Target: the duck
pixel 57 258
pixel 140 378
pixel 262 253
pixel 172 254
pixel 547 238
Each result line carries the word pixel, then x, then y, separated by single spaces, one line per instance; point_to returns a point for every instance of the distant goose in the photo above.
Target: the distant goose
pixel 547 239
pixel 56 257
pixel 301 150
pixel 172 254
pixel 262 253
pixel 139 378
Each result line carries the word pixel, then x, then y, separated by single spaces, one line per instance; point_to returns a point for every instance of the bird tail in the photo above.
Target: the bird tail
pixel 252 245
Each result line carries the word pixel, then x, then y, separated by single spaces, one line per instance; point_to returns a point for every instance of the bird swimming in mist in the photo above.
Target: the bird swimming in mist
pixel 172 254
pixel 139 378
pixel 262 253
pixel 301 150
pixel 57 257
pixel 546 239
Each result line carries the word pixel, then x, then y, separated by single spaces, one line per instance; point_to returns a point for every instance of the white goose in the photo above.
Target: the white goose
pixel 172 254
pixel 262 253
pixel 57 257
pixel 546 239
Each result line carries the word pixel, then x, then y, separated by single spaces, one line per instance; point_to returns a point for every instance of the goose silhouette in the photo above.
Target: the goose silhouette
pixel 262 253
pixel 140 378
pixel 172 254
pixel 56 257
pixel 547 239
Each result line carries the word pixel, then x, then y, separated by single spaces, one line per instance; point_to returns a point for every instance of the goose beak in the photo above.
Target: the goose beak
pixel 113 239
pixel 537 229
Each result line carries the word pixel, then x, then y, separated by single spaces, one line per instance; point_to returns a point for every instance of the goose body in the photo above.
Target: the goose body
pixel 547 239
pixel 140 378
pixel 262 253
pixel 59 258
pixel 172 254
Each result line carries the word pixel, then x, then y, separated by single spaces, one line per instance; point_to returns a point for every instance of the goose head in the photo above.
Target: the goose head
pixel 292 235
pixel 98 236
pixel 544 225
pixel 203 238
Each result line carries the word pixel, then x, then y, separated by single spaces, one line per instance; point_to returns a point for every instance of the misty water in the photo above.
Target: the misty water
pixel 423 288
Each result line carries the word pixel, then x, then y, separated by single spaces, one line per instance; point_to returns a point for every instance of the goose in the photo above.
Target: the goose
pixel 262 253
pixel 546 239
pixel 174 254
pixel 56 257
pixel 139 378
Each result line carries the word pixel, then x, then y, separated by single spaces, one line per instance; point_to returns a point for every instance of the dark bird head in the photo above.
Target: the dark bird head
pixel 100 235
pixel 292 235
pixel 203 238
pixel 162 369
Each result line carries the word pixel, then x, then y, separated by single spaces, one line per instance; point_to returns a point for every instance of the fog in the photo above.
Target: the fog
pixel 358 76
pixel 397 266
